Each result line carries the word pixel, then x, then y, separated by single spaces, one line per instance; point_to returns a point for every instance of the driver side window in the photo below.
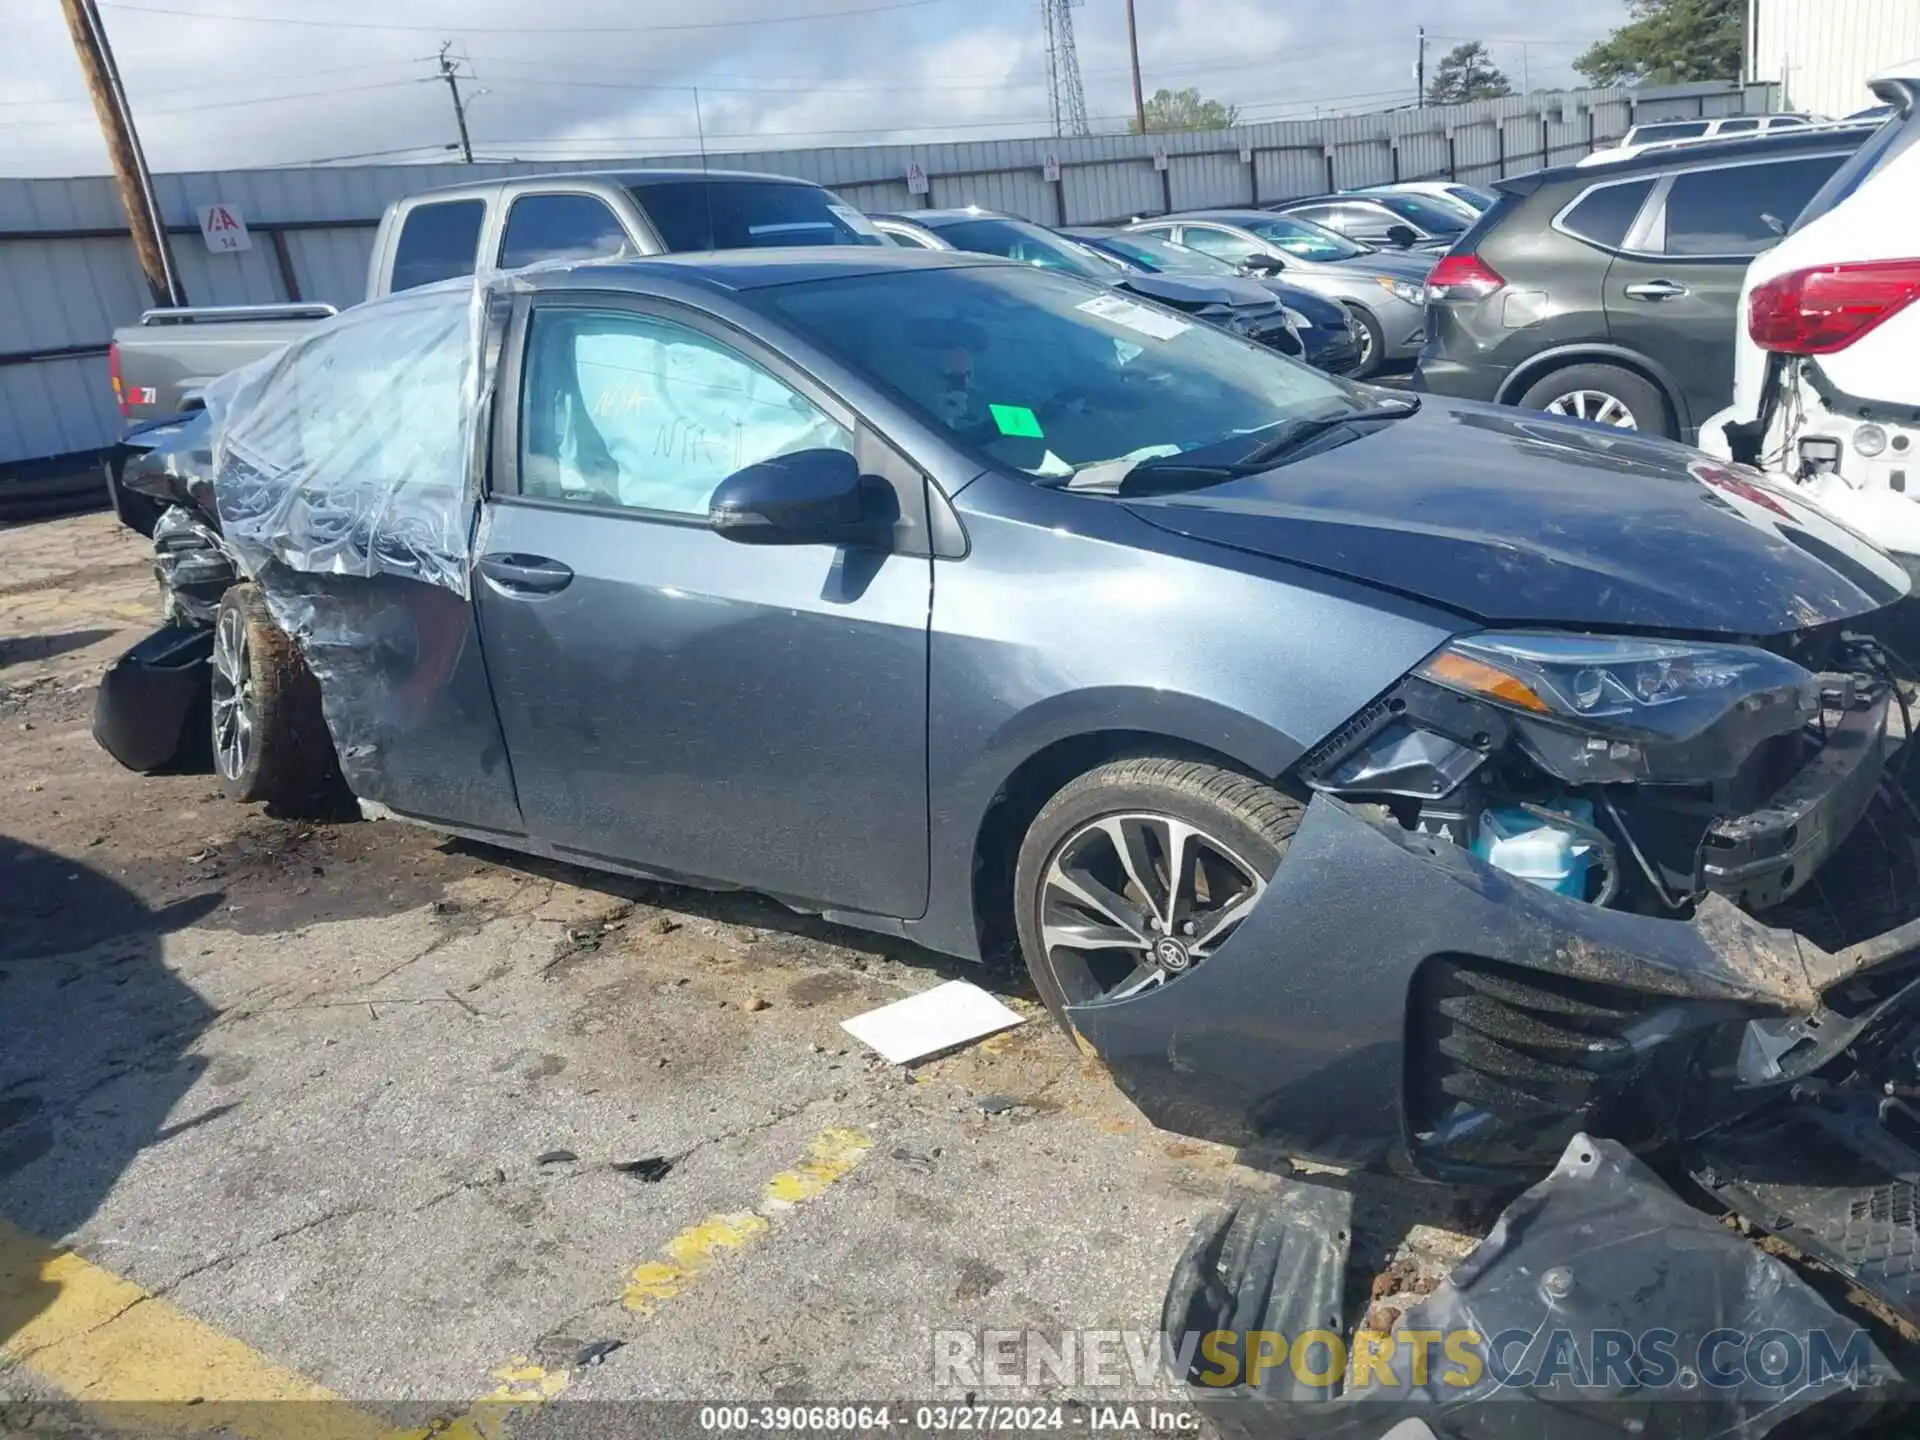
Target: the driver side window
pixel 629 410
pixel 1220 244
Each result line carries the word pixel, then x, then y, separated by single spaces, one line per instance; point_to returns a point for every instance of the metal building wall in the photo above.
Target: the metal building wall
pixel 68 276
pixel 1821 52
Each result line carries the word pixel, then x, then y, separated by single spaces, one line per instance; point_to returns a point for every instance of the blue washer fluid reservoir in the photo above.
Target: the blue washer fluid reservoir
pixel 1535 850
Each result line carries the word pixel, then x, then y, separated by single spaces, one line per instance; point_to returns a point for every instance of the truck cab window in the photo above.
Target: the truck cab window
pixel 438 241
pixel 559 227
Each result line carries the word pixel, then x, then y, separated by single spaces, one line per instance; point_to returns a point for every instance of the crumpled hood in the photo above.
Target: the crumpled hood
pixel 1187 292
pixel 1516 518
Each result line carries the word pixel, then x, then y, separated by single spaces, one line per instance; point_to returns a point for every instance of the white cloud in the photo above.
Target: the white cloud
pixel 211 94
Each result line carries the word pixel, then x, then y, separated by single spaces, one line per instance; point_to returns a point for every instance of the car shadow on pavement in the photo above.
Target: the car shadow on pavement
pixel 1002 974
pixel 94 1038
pixel 18 649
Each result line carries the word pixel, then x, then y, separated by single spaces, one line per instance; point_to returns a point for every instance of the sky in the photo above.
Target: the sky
pixel 233 84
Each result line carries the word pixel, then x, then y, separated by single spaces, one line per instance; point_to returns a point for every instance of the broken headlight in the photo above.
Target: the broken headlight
pixel 1603 708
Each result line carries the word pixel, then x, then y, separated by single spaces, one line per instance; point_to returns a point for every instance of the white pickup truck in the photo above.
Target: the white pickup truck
pixel 160 366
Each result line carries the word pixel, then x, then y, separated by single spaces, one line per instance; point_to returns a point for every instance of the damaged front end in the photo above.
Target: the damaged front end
pixel 1500 925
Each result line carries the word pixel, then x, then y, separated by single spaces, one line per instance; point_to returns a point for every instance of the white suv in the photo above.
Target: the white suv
pixel 1827 356
pixel 1669 132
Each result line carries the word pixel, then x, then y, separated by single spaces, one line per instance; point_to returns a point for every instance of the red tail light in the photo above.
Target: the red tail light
pixel 1817 312
pixel 1463 277
pixel 113 374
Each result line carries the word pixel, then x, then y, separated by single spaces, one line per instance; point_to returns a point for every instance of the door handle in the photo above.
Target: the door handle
pixel 526 574
pixel 1656 290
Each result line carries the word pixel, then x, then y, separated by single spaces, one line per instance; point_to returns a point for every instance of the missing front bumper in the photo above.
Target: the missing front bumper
pixel 1318 1029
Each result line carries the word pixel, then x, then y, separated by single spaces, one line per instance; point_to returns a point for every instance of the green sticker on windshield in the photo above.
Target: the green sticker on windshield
pixel 1016 420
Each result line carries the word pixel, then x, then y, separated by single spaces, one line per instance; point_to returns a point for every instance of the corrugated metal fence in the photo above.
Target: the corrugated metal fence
pixel 68 274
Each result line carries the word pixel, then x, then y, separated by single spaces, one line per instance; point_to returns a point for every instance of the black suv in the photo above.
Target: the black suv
pixel 1610 292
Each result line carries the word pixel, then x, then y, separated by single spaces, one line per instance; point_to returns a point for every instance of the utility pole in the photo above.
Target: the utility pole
pixel 123 151
pixel 1420 70
pixel 1133 49
pixel 450 72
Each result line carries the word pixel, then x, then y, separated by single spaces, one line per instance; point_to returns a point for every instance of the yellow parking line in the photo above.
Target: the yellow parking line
pixel 106 1342
pixel 832 1154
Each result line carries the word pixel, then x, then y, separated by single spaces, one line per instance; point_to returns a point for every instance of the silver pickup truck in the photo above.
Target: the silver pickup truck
pixel 161 365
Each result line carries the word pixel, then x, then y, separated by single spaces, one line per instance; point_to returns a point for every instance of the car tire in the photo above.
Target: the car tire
pixel 270 740
pixel 1603 394
pixel 1373 344
pixel 1235 827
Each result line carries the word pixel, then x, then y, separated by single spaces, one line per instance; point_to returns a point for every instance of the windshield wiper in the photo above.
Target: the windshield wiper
pixel 1164 472
pixel 1292 436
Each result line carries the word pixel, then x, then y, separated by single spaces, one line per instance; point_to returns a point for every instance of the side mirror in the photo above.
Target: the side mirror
pixel 810 497
pixel 1261 265
pixel 1402 237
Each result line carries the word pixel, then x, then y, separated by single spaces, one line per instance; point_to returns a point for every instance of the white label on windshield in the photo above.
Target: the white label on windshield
pixel 1135 317
pixel 854 220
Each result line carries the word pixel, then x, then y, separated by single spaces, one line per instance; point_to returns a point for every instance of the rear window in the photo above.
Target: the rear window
pixel 1679 130
pixel 1741 210
pixel 747 215
pixel 1885 145
pixel 437 242
pixel 1605 214
pixel 1430 215
pixel 559 227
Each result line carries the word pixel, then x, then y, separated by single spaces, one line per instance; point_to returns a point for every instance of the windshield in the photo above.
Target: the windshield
pixel 1043 373
pixel 747 214
pixel 1029 244
pixel 1304 239
pixel 1163 257
pixel 1433 216
pixel 1480 200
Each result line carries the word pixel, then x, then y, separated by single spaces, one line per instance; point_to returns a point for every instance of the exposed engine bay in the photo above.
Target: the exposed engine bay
pixel 1641 775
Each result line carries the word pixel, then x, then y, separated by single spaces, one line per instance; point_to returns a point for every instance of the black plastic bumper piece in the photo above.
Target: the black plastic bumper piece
pixel 1759 859
pixel 151 709
pixel 1600 1305
pixel 1838 1184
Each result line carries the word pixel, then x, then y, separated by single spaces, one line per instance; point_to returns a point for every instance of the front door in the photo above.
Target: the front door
pixel 753 715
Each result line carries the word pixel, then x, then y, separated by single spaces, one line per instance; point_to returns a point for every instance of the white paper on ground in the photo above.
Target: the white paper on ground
pixel 934 1020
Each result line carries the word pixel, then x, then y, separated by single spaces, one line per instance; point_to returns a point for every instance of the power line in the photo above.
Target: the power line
pixel 230 104
pixel 443 26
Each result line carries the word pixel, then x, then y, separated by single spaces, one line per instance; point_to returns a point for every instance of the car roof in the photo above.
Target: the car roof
pixel 1692 156
pixel 626 179
pixel 934 219
pixel 1332 195
pixel 1227 215
pixel 752 269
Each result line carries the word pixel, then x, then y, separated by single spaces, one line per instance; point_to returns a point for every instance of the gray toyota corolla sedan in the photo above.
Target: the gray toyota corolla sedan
pixel 1389 779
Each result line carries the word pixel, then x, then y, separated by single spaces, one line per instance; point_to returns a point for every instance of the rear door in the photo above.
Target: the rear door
pixel 752 715
pixel 1673 294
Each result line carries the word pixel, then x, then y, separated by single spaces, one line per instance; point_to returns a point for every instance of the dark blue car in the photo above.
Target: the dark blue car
pixel 1387 779
pixel 1329 336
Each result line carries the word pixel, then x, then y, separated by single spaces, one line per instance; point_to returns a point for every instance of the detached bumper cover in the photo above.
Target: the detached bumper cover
pixel 1305 1030
pixel 151 709
pixel 1601 1304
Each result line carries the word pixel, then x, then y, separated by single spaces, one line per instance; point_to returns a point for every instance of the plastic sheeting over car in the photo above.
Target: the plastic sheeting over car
pixel 347 472
pixel 353 451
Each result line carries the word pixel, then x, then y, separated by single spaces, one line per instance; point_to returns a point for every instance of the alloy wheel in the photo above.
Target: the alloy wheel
pixel 1133 901
pixel 1364 338
pixel 233 706
pixel 1595 405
